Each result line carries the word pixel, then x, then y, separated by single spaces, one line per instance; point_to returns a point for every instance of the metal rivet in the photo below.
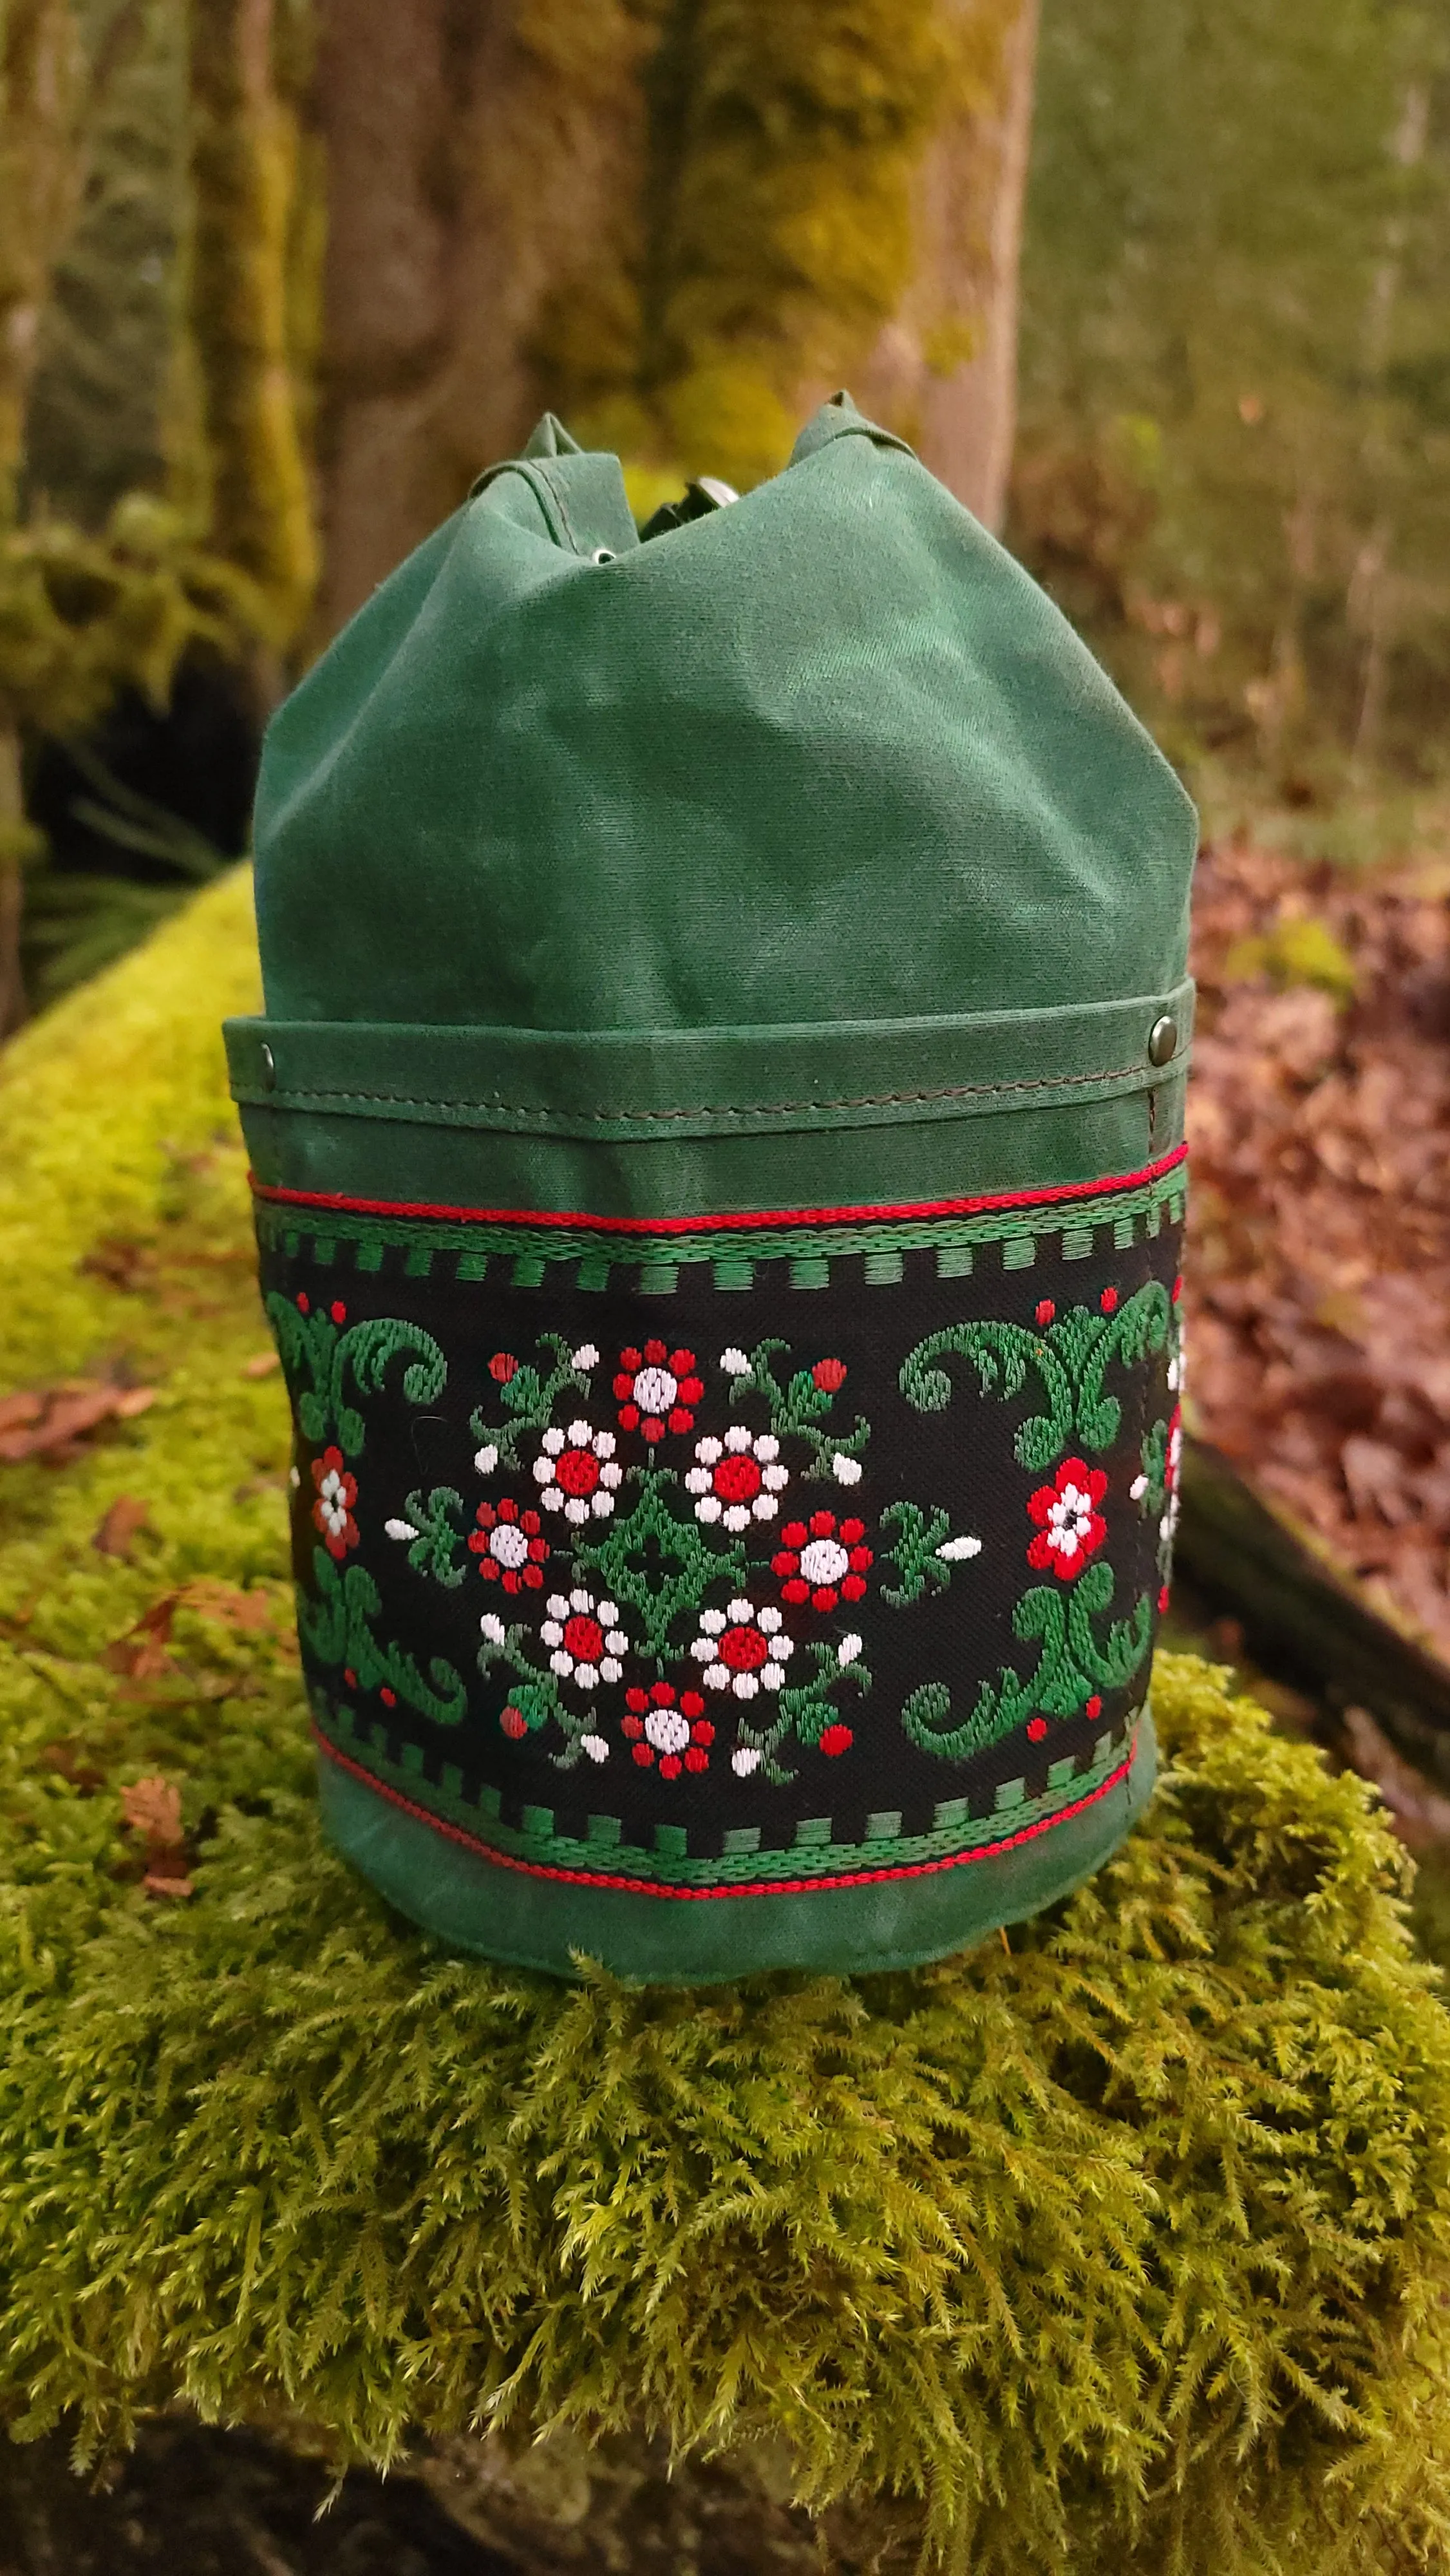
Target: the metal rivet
pixel 1163 1041
pixel 269 1070
pixel 602 554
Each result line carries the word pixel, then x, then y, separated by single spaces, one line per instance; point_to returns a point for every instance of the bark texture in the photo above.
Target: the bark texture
pixel 42 88
pixel 477 157
pixel 945 367
pixel 245 166
pixel 677 222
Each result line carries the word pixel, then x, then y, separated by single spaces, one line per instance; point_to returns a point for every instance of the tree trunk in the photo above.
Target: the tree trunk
pixel 245 145
pixel 476 161
pixel 945 367
pixel 41 70
pixel 559 205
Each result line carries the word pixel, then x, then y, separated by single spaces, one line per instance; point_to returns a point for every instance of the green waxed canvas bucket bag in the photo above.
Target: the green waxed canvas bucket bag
pixel 717 1136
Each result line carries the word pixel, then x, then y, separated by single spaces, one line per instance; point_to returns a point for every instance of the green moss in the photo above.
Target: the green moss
pixel 774 232
pixel 254 271
pixel 1126 2248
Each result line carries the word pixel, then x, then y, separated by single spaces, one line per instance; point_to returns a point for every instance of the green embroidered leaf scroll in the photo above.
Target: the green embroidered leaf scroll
pixel 1070 1670
pixel 923 1553
pixel 536 1701
pixel 805 1710
pixel 800 1408
pixel 436 1540
pixel 528 1396
pixel 336 1627
pixel 1069 1355
pixel 312 1345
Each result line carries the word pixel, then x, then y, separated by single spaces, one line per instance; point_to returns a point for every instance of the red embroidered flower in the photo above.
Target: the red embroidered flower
pixel 674 1728
pixel 836 1739
pixel 336 1495
pixel 822 1561
pixel 1109 1301
pixel 655 1389
pixel 829 1376
pixel 738 1479
pixel 508 1546
pixel 502 1367
pixel 577 1474
pixel 1036 1729
pixel 338 1311
pixel 513 1722
pixel 1045 1314
pixel 1070 1528
pixel 1092 1707
pixel 742 1650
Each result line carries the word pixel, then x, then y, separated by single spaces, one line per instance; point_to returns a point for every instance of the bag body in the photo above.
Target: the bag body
pixel 717 1136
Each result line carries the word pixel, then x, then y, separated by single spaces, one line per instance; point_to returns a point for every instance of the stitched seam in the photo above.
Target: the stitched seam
pixel 758 1109
pixel 754 1887
pixel 561 504
pixel 737 1221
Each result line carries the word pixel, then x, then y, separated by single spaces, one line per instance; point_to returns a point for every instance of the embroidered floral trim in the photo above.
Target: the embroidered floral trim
pixel 636 1575
pixel 674 1731
pixel 655 1389
pixel 742 1649
pixel 1070 1527
pixel 576 1472
pixel 822 1561
pixel 508 1546
pixel 585 1639
pixel 738 1479
pixel 336 1495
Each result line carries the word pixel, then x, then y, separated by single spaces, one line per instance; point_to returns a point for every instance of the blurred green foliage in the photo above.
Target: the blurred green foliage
pixel 1234 467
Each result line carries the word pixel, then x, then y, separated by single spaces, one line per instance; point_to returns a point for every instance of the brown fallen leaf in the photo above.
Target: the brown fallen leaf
pixel 118 1259
pixel 69 1759
pixel 261 1364
pixel 157 1883
pixel 141 1654
pixel 245 1610
pixel 122 1526
pixel 51 1422
pixel 153 1807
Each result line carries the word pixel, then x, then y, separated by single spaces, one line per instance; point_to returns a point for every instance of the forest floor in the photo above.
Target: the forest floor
pixel 1319 1262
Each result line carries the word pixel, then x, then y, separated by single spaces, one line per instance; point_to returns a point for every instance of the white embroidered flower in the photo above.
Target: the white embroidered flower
pixel 738 1478
pixel 742 1649
pixel 492 1627
pixel 400 1529
pixel 735 1364
pixel 595 1747
pixel 486 1458
pixel 847 1471
pixel 586 1639
pixel 1138 1488
pixel 744 1760
pixel 956 1550
pixel 576 1473
pixel 586 1356
pixel 294 1477
pixel 849 1649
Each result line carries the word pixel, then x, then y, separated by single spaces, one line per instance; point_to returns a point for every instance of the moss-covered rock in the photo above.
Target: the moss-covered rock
pixel 1126 2246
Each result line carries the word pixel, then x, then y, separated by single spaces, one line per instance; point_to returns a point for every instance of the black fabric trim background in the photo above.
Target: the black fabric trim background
pixel 959 1460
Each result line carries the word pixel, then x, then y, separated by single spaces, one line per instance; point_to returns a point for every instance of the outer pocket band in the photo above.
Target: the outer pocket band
pixel 757 1567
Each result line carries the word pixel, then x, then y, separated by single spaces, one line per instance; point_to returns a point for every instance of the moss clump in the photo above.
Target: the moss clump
pixel 780 144
pixel 1126 2248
